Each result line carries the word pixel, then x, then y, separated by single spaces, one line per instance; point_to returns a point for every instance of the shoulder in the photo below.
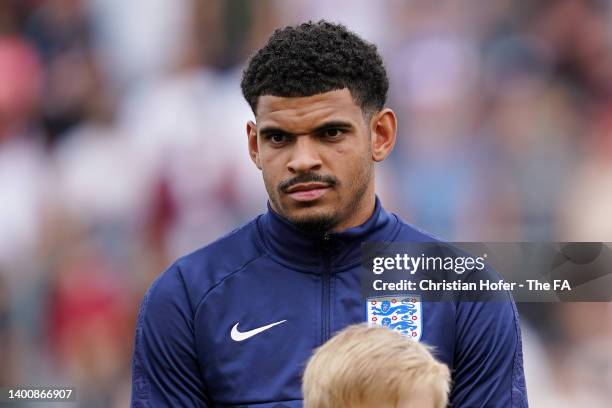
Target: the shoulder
pixel 410 233
pixel 192 276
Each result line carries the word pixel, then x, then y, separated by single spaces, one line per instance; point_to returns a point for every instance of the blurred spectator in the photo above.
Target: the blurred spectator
pixel 139 40
pixel 89 321
pixel 584 215
pixel 60 31
pixel 22 159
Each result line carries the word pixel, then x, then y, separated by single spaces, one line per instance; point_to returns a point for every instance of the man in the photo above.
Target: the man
pixel 234 323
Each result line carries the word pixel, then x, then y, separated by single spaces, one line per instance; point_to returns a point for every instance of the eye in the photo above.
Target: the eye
pixel 278 138
pixel 333 133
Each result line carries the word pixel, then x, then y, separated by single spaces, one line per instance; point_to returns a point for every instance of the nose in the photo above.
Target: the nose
pixel 304 156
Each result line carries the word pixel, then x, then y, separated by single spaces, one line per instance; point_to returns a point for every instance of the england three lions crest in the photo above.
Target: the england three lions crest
pixel 403 313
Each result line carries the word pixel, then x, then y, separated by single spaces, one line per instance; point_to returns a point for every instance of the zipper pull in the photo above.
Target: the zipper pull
pixel 326 244
pixel 326 241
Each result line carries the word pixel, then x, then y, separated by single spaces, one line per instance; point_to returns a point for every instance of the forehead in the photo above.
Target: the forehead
pixel 300 114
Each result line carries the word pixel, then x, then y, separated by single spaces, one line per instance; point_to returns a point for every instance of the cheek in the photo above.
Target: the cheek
pixel 270 164
pixel 273 168
pixel 269 175
pixel 351 161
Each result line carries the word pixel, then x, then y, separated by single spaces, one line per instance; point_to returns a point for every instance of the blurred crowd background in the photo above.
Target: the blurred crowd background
pixel 123 146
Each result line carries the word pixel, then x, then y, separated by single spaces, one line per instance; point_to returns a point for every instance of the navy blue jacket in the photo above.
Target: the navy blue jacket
pixel 190 352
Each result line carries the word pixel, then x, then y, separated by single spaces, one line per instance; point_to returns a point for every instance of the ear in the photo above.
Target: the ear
pixel 251 129
pixel 383 127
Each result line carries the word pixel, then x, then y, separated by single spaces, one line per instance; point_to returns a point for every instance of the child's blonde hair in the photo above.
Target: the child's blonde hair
pixel 372 365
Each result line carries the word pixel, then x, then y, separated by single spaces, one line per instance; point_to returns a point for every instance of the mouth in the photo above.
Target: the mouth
pixel 305 192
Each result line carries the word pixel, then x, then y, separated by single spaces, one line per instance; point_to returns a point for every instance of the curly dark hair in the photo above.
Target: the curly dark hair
pixel 313 58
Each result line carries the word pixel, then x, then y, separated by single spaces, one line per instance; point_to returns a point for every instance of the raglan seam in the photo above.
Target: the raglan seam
pixel 184 284
pixel 195 306
pixel 518 354
pixel 192 330
pixel 214 286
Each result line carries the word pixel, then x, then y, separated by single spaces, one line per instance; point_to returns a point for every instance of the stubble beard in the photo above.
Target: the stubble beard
pixel 320 224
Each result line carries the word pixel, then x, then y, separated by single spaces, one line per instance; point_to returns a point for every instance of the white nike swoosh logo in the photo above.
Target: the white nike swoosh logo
pixel 240 336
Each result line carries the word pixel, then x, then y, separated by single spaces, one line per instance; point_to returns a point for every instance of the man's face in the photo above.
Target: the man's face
pixel 315 154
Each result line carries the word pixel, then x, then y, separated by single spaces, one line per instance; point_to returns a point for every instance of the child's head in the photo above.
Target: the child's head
pixel 375 366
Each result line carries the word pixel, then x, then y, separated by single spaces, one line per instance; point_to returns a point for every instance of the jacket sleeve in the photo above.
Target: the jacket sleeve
pixel 165 369
pixel 488 361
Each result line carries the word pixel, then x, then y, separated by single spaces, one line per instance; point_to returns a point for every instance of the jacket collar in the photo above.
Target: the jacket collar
pixel 317 253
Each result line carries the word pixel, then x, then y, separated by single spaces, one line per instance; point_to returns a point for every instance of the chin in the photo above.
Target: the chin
pixel 313 220
pixel 312 210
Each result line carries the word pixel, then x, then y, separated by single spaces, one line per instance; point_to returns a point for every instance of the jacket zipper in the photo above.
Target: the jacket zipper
pixel 326 292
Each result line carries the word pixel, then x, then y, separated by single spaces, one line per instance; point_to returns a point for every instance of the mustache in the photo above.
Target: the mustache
pixel 307 178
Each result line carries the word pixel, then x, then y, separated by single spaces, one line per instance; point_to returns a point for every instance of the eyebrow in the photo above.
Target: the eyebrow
pixel 334 124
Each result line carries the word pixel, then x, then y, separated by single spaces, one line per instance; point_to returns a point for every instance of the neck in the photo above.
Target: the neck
pixel 360 213
pixel 293 246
